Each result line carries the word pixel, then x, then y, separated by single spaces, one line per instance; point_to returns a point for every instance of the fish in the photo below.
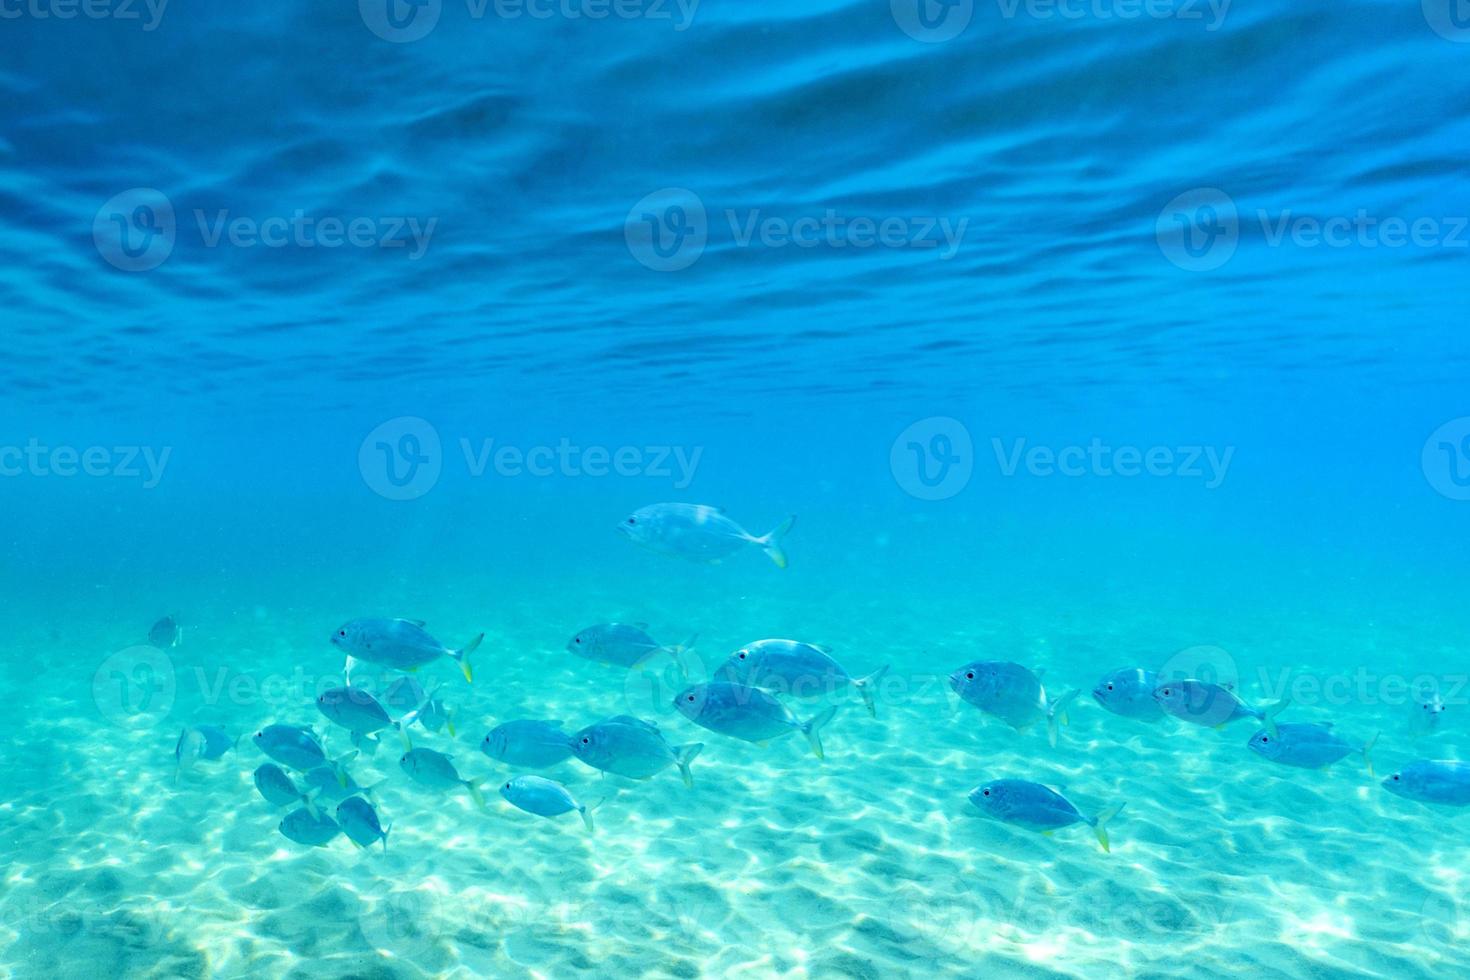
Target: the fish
pixel 1129 692
pixel 356 710
pixel 165 634
pixel 1037 807
pixel 747 713
pixel 529 743
pixel 406 694
pixel 279 789
pixel 698 532
pixel 332 786
pixel 632 747
pixel 207 742
pixel 1212 705
pixel 298 748
pixel 400 644
pixel 1444 782
pixel 795 668
pixel 315 829
pixel 436 771
pixel 359 821
pixel 1012 693
pixel 625 645
pixel 1424 714
pixel 543 797
pixel 1307 746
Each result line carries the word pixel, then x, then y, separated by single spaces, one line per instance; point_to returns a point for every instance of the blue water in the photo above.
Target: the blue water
pixel 1080 335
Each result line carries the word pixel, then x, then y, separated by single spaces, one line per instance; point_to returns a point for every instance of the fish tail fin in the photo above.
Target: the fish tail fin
pixel 449 721
pixel 339 767
pixel 462 656
pixel 1367 748
pixel 684 756
pixel 347 669
pixel 308 800
pixel 1268 717
pixel 1057 711
pixel 771 541
pixel 473 785
pixel 586 812
pixel 386 828
pixel 812 726
pixel 1100 825
pixel 865 687
pixel 679 652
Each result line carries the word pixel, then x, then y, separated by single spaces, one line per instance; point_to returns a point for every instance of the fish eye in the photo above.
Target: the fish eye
pixel 1167 692
pixel 576 639
pixel 1265 739
pixel 742 654
pixel 507 785
pixel 690 698
pixel 1395 777
pixel 1110 687
pixel 632 520
pixel 588 741
pixel 341 632
pixel 985 792
pixel 969 675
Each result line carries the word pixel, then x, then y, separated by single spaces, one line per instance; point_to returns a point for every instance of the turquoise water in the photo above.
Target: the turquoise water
pixel 1080 336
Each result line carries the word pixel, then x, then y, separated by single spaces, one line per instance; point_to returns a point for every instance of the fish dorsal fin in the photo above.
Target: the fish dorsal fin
pixel 556 723
pixel 627 720
pixel 821 648
pixel 641 626
pixel 420 623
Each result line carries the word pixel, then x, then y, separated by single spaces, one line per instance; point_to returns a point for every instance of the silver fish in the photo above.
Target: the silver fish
pixel 698 532
pixel 1012 693
pixel 406 694
pixel 359 821
pixel 747 713
pixel 624 645
pixel 356 710
pixel 1307 746
pixel 1212 705
pixel 534 744
pixel 543 797
pixel 312 829
pixel 1424 714
pixel 632 747
pixel 1428 781
pixel 436 771
pixel 279 789
pixel 166 633
pixel 298 748
pixel 1037 807
pixel 207 742
pixel 796 668
pixel 1129 692
pixel 402 644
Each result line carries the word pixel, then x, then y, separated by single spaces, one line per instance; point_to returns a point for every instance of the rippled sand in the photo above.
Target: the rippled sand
pixel 872 864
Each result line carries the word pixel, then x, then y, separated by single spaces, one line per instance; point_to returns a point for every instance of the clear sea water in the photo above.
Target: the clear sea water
pixel 1080 335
